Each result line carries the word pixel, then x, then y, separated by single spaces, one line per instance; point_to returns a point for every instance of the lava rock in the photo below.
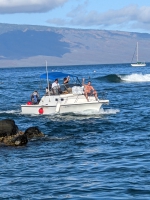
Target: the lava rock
pixel 8 127
pixel 10 134
pixel 20 140
pixel 32 132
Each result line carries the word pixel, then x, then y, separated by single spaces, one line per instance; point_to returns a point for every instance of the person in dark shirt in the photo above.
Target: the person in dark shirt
pixel 66 80
pixel 35 97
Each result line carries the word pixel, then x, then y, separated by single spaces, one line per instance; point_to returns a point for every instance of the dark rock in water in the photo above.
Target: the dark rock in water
pixel 16 140
pixel 10 134
pixel 33 132
pixel 8 127
pixel 20 140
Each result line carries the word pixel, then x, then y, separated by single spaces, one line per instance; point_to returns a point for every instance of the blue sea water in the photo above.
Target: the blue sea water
pixel 104 155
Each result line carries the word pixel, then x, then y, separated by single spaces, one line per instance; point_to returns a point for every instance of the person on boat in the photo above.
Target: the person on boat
pixel 35 97
pixel 66 80
pixel 68 89
pixel 56 87
pixel 48 90
pixel 89 90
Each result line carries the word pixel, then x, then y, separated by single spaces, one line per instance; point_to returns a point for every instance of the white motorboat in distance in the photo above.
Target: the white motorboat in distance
pixel 71 99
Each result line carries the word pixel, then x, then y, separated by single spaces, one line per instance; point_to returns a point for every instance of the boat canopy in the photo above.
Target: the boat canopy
pixel 54 75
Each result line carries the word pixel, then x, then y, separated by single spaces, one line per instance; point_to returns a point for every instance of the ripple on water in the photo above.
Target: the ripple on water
pixel 103 155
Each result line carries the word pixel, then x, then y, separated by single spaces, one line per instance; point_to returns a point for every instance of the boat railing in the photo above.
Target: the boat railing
pixel 102 95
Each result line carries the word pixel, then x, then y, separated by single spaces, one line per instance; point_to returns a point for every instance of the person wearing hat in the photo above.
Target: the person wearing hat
pixel 56 87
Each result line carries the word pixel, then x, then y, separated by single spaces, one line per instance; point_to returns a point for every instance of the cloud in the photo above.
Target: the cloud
pixel 131 16
pixel 29 6
pixel 73 17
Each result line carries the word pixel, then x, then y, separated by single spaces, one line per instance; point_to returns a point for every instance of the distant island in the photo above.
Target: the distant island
pixel 29 45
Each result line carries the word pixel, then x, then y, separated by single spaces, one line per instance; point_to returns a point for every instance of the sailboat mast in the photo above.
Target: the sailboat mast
pixel 137 52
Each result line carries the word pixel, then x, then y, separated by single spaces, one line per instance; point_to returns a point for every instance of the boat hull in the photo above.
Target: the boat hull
pixel 63 104
pixel 138 65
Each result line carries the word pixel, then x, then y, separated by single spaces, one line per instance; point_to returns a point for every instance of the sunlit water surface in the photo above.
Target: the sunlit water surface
pixel 90 155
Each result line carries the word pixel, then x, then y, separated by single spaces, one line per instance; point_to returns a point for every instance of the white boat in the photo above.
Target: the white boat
pixel 73 101
pixel 137 64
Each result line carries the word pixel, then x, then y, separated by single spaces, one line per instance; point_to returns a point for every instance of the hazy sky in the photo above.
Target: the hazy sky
pixel 123 15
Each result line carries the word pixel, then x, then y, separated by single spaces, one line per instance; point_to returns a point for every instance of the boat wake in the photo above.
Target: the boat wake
pixel 86 113
pixel 100 112
pixel 109 111
pixel 10 112
pixel 83 115
pixel 94 113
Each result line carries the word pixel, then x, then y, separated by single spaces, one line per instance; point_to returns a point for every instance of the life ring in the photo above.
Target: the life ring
pixel 41 111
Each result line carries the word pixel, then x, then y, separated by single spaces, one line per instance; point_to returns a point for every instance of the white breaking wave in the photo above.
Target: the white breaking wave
pixel 136 78
pixel 108 111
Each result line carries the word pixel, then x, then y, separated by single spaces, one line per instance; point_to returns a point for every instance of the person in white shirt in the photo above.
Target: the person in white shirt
pixel 56 87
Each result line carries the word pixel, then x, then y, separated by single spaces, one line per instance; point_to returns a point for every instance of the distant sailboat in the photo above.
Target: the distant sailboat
pixel 137 64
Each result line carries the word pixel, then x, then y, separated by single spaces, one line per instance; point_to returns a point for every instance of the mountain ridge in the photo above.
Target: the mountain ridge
pixel 31 45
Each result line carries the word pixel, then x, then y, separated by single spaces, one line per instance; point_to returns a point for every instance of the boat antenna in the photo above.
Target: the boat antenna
pixel 47 76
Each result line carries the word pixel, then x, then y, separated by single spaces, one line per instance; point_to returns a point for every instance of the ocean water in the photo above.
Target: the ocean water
pixel 103 155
